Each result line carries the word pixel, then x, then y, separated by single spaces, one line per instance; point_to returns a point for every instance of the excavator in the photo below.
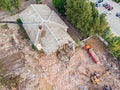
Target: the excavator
pixel 95 77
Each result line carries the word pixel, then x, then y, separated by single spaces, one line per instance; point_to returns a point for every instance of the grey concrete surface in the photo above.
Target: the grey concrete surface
pixel 114 22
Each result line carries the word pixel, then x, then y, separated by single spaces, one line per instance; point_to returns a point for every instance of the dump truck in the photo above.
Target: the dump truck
pixel 91 53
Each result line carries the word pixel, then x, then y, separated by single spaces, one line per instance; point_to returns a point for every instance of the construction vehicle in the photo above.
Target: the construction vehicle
pixel 91 53
pixel 96 78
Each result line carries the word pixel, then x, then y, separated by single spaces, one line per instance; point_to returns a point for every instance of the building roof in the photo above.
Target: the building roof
pixel 45 28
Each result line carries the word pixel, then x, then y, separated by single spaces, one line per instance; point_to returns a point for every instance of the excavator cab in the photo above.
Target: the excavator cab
pixel 87 47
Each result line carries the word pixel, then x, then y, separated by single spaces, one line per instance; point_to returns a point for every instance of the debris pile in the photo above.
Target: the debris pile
pixel 65 53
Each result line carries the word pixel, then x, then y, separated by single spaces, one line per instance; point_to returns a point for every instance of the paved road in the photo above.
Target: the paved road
pixel 114 22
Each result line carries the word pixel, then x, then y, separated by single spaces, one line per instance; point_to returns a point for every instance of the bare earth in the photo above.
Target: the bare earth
pixel 41 72
pixel 76 73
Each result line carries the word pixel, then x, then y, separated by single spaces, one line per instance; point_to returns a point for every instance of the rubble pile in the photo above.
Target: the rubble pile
pixel 65 53
pixel 17 56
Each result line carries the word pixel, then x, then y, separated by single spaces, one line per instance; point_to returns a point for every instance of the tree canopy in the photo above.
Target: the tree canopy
pixel 113 41
pixel 9 5
pixel 60 5
pixel 83 15
pixel 114 46
pixel 117 1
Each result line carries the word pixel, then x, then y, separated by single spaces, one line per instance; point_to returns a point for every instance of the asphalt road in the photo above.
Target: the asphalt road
pixel 114 22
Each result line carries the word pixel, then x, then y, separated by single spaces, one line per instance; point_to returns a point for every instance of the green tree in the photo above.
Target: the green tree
pixel 9 5
pixel 95 20
pixel 117 1
pixel 114 46
pixel 69 10
pixel 79 13
pixel 107 34
pixel 98 22
pixel 83 15
pixel 16 4
pixel 113 42
pixel 5 5
pixel 103 24
pixel 59 4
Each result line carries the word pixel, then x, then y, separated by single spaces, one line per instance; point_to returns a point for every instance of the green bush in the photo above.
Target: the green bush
pixel 19 21
pixel 60 5
pixel 22 30
pixel 10 5
pixel 5 26
pixel 34 47
pixel 117 1
pixel 113 41
pixel 78 42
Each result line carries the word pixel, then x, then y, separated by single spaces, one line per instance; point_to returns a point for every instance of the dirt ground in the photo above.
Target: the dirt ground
pixel 76 73
pixel 41 72
pixel 102 52
pixel 106 58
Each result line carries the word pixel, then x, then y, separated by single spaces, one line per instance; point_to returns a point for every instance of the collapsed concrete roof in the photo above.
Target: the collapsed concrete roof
pixel 45 28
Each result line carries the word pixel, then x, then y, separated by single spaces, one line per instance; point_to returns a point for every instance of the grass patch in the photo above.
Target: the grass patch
pixel 5 26
pixel 78 42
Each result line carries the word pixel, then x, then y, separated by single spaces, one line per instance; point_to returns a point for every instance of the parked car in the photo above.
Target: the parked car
pixel 105 4
pixel 97 4
pixel 110 8
pixel 99 1
pixel 107 13
pixel 118 14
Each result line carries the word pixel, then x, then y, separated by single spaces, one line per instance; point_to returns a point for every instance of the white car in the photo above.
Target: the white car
pixel 107 13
